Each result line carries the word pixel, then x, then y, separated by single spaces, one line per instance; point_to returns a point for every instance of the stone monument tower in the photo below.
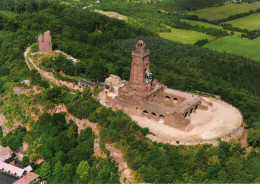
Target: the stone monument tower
pixel 141 88
pixel 147 97
pixel 45 42
pixel 141 76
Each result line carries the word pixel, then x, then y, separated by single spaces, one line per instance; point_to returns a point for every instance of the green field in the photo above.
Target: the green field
pixel 237 45
pixel 207 25
pixel 215 13
pixel 185 36
pixel 199 23
pixel 251 22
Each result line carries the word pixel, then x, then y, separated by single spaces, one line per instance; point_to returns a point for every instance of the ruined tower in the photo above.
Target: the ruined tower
pixel 141 76
pixel 45 42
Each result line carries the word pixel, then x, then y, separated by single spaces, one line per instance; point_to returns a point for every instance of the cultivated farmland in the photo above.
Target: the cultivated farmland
pixel 185 36
pixel 220 12
pixel 237 45
pixel 251 22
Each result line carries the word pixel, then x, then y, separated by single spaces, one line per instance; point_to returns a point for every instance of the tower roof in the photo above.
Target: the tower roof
pixel 140 46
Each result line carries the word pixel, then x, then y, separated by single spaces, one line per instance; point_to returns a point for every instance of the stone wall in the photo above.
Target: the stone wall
pixel 235 135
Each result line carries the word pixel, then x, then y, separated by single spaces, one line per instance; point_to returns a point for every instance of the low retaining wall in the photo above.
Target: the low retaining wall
pixel 235 135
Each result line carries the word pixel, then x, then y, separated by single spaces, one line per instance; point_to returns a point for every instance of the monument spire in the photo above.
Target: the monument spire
pixel 140 69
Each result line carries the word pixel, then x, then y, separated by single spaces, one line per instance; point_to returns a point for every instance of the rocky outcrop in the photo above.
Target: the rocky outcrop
pixel 8 128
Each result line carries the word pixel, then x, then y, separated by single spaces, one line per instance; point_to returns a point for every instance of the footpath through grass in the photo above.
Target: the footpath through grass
pixel 220 12
pixel 185 36
pixel 237 45
pixel 251 22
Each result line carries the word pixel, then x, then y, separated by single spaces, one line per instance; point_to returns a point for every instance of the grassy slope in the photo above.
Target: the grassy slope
pixel 251 22
pixel 221 12
pixel 237 45
pixel 185 36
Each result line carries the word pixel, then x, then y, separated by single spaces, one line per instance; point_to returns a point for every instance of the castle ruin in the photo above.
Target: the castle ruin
pixel 45 42
pixel 144 96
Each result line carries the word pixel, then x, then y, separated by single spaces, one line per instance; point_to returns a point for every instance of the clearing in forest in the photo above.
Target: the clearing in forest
pixel 185 36
pixel 251 22
pixel 237 45
pixel 112 14
pixel 220 12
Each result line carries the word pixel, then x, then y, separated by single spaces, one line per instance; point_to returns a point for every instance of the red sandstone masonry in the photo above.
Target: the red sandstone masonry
pixel 45 42
pixel 235 135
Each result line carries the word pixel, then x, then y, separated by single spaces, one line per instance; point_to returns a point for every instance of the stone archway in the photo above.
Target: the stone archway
pixel 191 111
pixel 196 107
pixel 167 98
pixel 175 100
pixel 161 118
pixel 153 114
pixel 145 112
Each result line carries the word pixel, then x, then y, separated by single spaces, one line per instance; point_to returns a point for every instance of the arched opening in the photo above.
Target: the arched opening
pixel 175 99
pixel 145 112
pixel 153 114
pixel 167 98
pixel 196 107
pixel 186 114
pixel 191 111
pixel 161 120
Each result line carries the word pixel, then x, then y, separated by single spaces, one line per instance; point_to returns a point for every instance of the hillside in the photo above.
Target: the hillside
pixel 202 26
pixel 64 127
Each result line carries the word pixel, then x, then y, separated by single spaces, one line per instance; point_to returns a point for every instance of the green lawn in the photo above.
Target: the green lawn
pixel 185 36
pixel 251 22
pixel 237 45
pixel 8 14
pixel 215 13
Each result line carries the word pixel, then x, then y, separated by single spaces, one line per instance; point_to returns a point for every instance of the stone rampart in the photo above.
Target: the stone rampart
pixel 235 135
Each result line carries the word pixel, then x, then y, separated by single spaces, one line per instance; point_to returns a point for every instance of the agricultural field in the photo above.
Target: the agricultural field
pixel 185 36
pixel 199 23
pixel 237 45
pixel 206 25
pixel 220 12
pixel 251 22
